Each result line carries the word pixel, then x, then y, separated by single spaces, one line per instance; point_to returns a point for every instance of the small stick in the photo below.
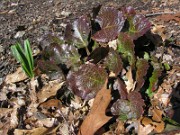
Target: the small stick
pixel 159 13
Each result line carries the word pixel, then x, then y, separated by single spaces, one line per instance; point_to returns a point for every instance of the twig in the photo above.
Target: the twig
pixel 159 13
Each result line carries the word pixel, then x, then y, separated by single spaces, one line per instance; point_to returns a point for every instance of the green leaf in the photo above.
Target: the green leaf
pixel 28 53
pixel 153 80
pixel 126 47
pixel 24 57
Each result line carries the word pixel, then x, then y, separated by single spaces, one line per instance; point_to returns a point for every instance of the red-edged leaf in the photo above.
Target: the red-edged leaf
pixel 111 22
pixel 121 87
pixel 138 26
pixel 87 81
pixel 129 109
pixel 142 67
pixel 63 54
pixel 98 54
pixel 113 61
pixel 78 32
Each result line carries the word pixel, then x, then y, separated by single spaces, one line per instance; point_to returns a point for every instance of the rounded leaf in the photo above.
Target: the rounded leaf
pixel 87 81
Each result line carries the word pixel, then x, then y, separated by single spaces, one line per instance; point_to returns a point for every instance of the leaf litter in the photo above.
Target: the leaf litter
pixel 87 99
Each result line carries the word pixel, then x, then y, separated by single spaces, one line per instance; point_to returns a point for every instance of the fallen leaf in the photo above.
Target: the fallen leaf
pixel 51 103
pixel 160 30
pixel 130 82
pixel 96 117
pixel 169 17
pixel 5 111
pixel 145 130
pixel 159 127
pixel 49 90
pixel 17 76
pixel 36 131
pixel 157 115
pixel 120 128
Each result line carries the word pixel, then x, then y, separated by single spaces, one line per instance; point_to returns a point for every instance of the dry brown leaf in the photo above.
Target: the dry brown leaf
pixel 146 121
pixel 145 130
pixel 130 82
pixel 96 117
pixel 120 128
pixel 17 76
pixel 160 30
pixel 36 131
pixel 157 115
pixel 159 127
pixel 5 111
pixel 49 90
pixel 169 17
pixel 51 103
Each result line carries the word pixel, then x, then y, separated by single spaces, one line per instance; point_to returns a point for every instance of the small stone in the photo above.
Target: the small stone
pixel 65 13
pixel 19 34
pixel 1 49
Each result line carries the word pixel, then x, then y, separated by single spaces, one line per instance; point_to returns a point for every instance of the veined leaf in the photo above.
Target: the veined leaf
pixel 111 22
pixel 113 62
pixel 142 67
pixel 87 81
pixel 78 32
pixel 129 109
pixel 63 54
pixel 138 26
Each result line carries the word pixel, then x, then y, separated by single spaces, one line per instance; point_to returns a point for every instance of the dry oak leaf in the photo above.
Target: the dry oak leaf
pixel 49 90
pixel 37 131
pixel 168 17
pixel 17 76
pixel 157 115
pixel 96 117
pixel 157 126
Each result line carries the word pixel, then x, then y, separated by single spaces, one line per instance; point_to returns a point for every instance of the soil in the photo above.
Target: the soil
pixel 22 19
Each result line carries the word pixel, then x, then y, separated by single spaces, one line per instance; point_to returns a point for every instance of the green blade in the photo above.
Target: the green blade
pixel 28 53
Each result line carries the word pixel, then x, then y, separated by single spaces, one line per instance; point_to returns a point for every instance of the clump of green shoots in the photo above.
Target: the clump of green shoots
pixel 24 57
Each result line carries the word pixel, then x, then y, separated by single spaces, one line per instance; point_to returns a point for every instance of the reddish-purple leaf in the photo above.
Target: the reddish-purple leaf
pixel 78 32
pixel 48 39
pixel 129 11
pixel 87 81
pixel 138 26
pixel 142 67
pixel 47 66
pixel 113 62
pixel 136 100
pixel 126 47
pixel 129 109
pixel 111 22
pixel 63 54
pixel 98 54
pixel 121 87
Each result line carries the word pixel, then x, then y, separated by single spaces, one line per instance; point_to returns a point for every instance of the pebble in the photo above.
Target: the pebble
pixel 65 13
pixel 1 49
pixel 19 34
